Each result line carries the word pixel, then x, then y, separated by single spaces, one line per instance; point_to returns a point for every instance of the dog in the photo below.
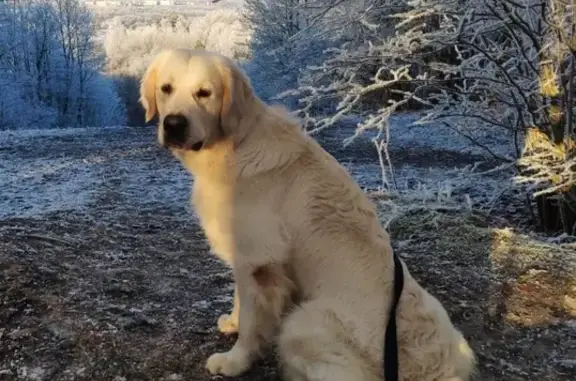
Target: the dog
pixel 312 266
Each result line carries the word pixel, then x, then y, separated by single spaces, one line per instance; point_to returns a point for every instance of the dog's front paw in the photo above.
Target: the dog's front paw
pixel 229 364
pixel 227 324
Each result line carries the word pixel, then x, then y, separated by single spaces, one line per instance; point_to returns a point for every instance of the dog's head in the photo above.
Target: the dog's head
pixel 200 97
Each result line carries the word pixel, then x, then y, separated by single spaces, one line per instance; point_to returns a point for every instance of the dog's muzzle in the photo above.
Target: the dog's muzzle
pixel 176 133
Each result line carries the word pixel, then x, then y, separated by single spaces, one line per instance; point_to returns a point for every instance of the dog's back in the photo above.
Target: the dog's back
pixel 342 265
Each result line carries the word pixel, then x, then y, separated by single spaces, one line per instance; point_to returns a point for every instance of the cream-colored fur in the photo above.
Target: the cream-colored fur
pixel 312 265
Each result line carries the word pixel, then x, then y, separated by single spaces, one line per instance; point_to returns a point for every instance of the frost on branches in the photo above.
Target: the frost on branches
pixel 491 67
pixel 459 59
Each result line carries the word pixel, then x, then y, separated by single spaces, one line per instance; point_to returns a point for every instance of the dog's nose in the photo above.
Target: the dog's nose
pixel 175 127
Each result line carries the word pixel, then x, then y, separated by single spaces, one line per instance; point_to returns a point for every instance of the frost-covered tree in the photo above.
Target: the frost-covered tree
pixel 48 66
pixel 481 67
pixel 74 35
pixel 289 35
pixel 26 64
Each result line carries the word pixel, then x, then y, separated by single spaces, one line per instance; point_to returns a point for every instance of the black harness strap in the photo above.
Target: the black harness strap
pixel 391 363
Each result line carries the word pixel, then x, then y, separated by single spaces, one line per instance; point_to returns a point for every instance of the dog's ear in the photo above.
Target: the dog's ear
pixel 236 98
pixel 148 90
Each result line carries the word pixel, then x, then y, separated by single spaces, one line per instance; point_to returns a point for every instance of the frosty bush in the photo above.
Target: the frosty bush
pixel 129 49
pixel 49 74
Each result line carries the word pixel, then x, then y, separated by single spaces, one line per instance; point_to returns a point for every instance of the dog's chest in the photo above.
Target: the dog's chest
pixel 213 203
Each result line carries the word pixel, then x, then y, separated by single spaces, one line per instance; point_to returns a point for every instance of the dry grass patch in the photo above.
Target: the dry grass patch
pixel 511 294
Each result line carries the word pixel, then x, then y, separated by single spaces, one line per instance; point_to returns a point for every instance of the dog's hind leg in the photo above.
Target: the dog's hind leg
pixel 315 346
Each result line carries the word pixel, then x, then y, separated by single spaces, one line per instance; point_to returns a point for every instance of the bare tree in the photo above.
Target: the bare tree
pixel 75 37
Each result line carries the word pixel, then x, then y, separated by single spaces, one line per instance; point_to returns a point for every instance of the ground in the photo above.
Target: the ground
pixel 105 274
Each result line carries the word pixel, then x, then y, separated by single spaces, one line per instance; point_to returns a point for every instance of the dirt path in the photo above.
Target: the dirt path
pixel 105 275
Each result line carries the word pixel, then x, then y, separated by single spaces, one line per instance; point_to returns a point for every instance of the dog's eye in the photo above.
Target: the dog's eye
pixel 203 93
pixel 166 89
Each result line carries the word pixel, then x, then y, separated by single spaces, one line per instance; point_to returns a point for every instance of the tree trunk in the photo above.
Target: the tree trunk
pixel 557 213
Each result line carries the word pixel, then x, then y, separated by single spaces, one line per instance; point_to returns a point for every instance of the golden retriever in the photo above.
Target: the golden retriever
pixel 313 268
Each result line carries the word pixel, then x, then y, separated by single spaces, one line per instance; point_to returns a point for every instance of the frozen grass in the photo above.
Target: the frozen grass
pixel 10 137
pixel 71 169
pixel 60 169
pixel 432 162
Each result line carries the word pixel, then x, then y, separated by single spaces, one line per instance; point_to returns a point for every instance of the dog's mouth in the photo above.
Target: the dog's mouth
pixel 186 147
pixel 197 146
